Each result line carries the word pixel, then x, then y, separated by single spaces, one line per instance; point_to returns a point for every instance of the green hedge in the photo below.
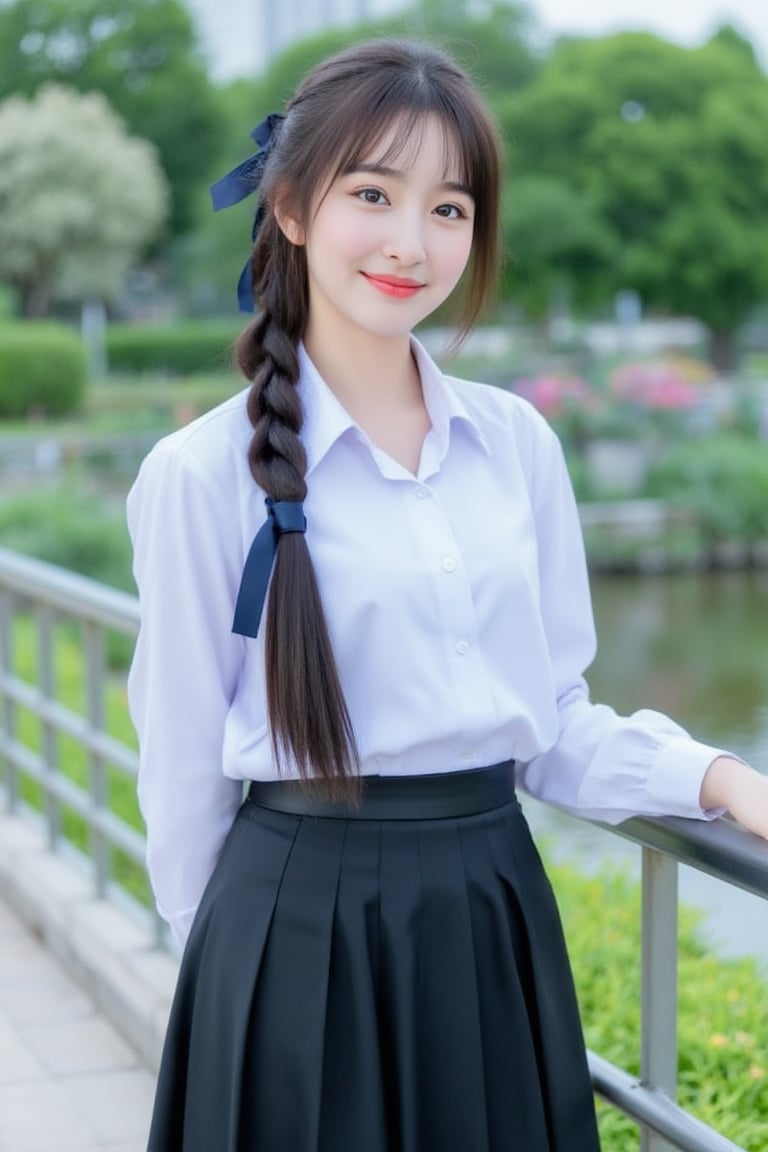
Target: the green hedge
pixel 177 349
pixel 43 370
pixel 723 481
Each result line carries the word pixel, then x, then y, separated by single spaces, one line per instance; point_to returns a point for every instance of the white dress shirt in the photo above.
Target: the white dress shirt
pixel 457 602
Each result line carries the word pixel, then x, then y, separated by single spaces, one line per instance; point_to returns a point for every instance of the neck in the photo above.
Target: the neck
pixel 367 371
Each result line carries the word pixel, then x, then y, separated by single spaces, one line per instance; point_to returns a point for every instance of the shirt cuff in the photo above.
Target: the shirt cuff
pixel 676 776
pixel 180 924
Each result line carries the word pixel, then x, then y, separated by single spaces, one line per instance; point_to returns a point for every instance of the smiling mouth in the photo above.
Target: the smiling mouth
pixel 398 286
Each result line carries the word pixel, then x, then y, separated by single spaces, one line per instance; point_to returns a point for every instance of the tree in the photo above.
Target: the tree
pixel 552 232
pixel 79 199
pixel 670 147
pixel 142 54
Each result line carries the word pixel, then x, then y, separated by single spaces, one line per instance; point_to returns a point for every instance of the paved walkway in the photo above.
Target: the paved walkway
pixel 68 1082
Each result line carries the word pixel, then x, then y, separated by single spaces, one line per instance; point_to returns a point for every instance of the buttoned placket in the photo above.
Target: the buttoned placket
pixel 433 536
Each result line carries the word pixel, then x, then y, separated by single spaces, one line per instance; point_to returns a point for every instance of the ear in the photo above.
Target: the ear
pixel 290 226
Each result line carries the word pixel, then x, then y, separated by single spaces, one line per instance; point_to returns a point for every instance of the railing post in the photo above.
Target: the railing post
pixel 7 602
pixel 95 669
pixel 658 1058
pixel 47 682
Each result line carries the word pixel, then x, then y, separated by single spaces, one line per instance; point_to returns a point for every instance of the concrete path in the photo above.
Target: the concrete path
pixel 68 1081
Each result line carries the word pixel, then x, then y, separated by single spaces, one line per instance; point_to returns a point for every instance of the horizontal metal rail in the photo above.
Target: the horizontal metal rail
pixel 77 596
pixel 654 1110
pixel 48 595
pixel 720 848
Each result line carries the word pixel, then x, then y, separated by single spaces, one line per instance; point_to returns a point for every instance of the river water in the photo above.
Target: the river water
pixel 694 646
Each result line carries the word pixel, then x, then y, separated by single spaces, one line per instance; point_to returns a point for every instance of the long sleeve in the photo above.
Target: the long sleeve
pixel 187 567
pixel 601 764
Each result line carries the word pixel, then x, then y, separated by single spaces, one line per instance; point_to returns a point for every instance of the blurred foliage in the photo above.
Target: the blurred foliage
pixel 551 230
pixel 175 349
pixel 664 152
pixel 633 163
pixel 142 55
pixel 8 302
pixel 722 481
pixel 73 527
pixel 80 199
pixel 43 371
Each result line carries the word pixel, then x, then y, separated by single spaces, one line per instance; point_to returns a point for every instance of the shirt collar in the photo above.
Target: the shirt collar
pixel 326 419
pixel 444 404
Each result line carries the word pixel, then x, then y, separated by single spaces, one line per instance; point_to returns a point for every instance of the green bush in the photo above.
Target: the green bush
pixel 722 480
pixel 8 302
pixel 43 370
pixel 72 528
pixel 202 347
pixel 723 1028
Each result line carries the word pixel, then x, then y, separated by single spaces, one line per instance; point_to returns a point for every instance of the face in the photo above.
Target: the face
pixel 388 242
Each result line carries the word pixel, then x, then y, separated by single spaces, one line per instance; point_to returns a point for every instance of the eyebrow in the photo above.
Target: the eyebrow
pixel 397 174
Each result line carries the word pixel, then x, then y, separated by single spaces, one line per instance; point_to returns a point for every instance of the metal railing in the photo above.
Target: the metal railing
pixel 39 605
pixel 36 599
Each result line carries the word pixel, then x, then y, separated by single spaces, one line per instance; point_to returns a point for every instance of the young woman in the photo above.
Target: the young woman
pixel 372 957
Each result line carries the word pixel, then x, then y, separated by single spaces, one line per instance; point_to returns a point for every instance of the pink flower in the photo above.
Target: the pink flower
pixel 553 394
pixel 671 385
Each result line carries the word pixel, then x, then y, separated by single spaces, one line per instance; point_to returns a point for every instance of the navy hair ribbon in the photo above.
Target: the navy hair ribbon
pixel 282 516
pixel 242 182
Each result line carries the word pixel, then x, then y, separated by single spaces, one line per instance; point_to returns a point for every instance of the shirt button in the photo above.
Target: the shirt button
pixel 462 647
pixel 449 564
pixel 466 754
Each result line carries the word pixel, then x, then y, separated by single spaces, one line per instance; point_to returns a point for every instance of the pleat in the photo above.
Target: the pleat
pixel 550 994
pixel 284 1055
pixel 450 1089
pixel 354 1109
pixel 198 1105
pixel 513 1097
pixel 399 944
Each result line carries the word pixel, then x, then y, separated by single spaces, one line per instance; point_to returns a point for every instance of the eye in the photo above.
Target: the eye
pixel 450 212
pixel 371 196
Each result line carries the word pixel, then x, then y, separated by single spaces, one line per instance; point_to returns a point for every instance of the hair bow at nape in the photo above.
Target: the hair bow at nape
pixel 242 182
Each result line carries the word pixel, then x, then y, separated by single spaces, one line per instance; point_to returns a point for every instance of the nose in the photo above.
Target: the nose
pixel 405 243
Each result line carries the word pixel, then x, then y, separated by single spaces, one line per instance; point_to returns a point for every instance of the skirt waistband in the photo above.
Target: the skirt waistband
pixel 427 797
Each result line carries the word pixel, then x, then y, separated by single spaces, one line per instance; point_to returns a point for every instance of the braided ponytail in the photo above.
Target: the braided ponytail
pixel 308 715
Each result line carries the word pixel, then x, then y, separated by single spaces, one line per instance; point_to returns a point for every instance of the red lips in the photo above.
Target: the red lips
pixel 398 286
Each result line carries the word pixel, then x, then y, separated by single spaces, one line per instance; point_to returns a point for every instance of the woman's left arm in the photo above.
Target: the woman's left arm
pixel 602 764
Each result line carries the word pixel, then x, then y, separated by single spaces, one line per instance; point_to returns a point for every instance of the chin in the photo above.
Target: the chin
pixel 394 326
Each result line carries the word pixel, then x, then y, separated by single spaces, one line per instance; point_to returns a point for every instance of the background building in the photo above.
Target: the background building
pixel 241 36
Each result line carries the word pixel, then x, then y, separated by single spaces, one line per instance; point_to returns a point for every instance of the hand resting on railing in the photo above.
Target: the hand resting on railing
pixel 732 784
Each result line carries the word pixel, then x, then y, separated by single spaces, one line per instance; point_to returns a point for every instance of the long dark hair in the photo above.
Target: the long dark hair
pixel 338 115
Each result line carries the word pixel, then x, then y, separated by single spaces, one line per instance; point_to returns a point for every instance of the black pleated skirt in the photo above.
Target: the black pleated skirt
pixel 375 985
